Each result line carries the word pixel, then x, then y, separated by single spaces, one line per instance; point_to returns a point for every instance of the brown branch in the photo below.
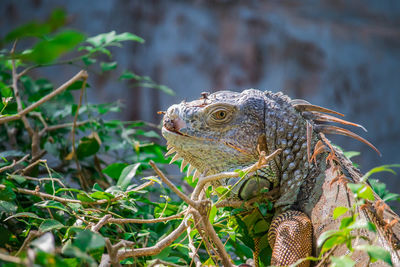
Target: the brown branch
pixel 172 186
pixel 32 234
pixel 193 250
pixel 30 166
pixel 14 163
pixel 141 221
pixel 16 92
pixel 103 221
pixel 44 179
pixel 13 259
pixel 82 179
pixel 159 246
pixel 214 237
pixel 80 75
pixel 63 125
pixel 56 198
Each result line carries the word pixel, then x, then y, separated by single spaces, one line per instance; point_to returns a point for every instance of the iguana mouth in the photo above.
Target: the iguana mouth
pixel 173 125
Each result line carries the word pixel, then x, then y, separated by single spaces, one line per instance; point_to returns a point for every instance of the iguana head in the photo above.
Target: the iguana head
pixel 226 130
pixel 217 132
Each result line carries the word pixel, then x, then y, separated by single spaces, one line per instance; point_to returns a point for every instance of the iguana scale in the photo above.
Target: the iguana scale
pixel 227 130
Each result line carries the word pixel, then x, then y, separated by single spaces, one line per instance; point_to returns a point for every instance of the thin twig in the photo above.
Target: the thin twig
pixel 193 251
pixel 32 234
pixel 159 246
pixel 16 91
pixel 80 75
pixel 64 125
pixel 172 186
pixel 59 199
pixel 82 179
pixel 214 237
pixel 14 163
pixel 141 221
pixel 44 179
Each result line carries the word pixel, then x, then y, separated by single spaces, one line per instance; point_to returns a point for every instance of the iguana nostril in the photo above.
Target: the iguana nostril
pixel 173 124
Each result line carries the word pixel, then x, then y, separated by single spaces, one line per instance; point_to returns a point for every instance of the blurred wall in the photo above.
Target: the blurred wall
pixel 343 55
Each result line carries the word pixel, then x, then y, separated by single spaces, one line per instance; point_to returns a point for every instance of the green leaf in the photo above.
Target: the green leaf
pixel 363 224
pixel 88 146
pixel 324 236
pixel 84 197
pixel 77 85
pixel 5 91
pixel 261 226
pixel 366 193
pixel 263 208
pixel 107 66
pixel 18 178
pixel 88 240
pixel 339 211
pixel 127 174
pixel 114 170
pixel 38 29
pixel 126 36
pixel 390 197
pixel 127 75
pixel 7 194
pixel 7 207
pixel 49 225
pixel 27 30
pixel 350 154
pixel 376 253
pixel 24 215
pixel 111 38
pixel 212 214
pixel 383 168
pixel 46 51
pixel 342 261
pixel 354 187
pixel 346 221
pixel 101 195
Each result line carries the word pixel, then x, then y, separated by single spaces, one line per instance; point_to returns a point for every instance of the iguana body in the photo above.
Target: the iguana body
pixel 226 130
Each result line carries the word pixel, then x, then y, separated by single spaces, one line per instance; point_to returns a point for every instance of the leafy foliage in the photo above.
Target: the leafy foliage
pixel 64 168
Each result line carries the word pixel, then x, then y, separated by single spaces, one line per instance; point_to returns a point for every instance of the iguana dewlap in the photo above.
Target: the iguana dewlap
pixel 227 130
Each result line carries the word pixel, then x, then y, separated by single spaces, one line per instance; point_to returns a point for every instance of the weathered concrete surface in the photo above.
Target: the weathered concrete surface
pixel 343 55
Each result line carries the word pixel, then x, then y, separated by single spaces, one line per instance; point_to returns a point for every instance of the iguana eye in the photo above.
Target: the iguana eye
pixel 220 114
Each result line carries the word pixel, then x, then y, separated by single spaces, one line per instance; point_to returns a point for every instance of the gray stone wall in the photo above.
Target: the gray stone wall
pixel 343 55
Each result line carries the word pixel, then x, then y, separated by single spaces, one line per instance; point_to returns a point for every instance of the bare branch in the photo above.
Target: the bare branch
pixel 59 199
pixel 101 223
pixel 12 165
pixel 80 75
pixel 193 250
pixel 157 248
pixel 64 125
pixel 12 259
pixel 32 234
pixel 156 220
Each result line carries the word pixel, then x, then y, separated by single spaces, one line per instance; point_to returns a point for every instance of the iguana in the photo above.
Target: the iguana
pixel 226 130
